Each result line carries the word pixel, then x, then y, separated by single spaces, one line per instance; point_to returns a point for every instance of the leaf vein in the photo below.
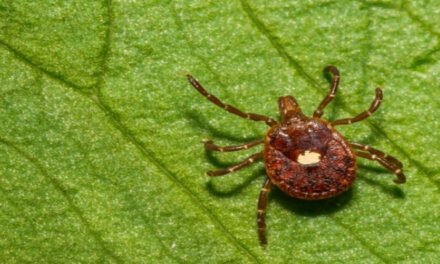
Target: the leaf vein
pixel 129 136
pixel 364 244
pixel 149 155
pixel 58 186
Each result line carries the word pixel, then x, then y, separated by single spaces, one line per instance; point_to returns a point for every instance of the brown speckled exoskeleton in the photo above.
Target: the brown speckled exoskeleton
pixel 306 157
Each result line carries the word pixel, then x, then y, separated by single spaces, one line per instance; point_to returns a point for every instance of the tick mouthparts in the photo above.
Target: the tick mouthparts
pixel 288 107
pixel 288 103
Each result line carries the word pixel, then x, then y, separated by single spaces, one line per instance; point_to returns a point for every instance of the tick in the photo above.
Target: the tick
pixel 305 157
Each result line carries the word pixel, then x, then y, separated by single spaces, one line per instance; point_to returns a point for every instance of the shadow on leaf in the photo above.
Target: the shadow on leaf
pixel 213 189
pixel 312 208
pixel 201 122
pixel 390 189
pixel 211 157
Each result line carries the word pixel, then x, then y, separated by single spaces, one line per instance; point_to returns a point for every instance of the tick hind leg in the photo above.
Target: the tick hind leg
pixel 389 162
pixel 251 159
pixel 209 145
pixel 261 212
pixel 333 88
pixel 373 107
pixel 231 109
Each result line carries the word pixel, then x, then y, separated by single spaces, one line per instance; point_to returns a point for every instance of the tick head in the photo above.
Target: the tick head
pixel 289 108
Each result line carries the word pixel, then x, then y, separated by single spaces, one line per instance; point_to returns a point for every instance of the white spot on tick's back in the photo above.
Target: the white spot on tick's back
pixel 309 158
pixel 283 134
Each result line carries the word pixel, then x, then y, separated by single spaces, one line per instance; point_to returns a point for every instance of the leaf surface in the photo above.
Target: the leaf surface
pixel 100 150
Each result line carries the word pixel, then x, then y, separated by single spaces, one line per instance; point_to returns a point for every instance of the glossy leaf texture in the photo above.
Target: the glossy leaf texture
pixel 100 139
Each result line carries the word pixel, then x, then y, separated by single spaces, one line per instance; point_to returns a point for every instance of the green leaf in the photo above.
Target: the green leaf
pixel 100 150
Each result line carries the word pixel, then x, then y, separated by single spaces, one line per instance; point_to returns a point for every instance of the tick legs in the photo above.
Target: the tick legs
pixel 209 145
pixel 251 159
pixel 333 88
pixel 389 162
pixel 261 211
pixel 373 107
pixel 269 121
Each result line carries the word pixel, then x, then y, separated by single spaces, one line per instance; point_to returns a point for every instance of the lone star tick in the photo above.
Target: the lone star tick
pixel 305 157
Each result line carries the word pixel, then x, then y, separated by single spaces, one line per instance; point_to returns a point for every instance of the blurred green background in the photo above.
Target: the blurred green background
pixel 100 153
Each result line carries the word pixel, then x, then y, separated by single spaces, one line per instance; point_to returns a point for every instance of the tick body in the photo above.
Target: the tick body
pixel 305 157
pixel 308 159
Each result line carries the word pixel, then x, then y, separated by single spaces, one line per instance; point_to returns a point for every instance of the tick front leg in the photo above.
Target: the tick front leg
pixel 209 145
pixel 373 107
pixel 261 212
pixel 333 88
pixel 231 109
pixel 251 159
pixel 389 162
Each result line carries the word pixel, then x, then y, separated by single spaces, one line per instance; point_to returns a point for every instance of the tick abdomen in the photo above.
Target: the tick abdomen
pixel 308 159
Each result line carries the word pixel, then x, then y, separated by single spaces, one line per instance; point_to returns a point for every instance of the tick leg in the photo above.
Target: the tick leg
pixel 261 212
pixel 373 107
pixel 231 109
pixel 333 88
pixel 392 160
pixel 389 162
pixel 251 159
pixel 209 145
